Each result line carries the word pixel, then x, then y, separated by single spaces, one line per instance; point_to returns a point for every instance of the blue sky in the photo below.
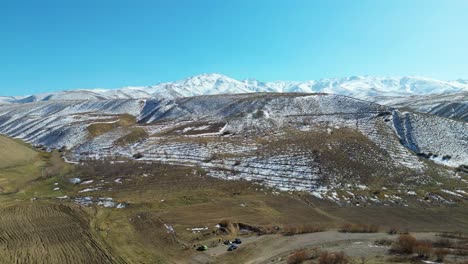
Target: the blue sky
pixel 56 45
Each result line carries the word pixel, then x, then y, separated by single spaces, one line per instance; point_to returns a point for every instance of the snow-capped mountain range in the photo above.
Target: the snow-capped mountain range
pixel 362 87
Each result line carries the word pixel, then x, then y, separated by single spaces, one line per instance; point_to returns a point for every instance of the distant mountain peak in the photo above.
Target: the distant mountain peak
pixel 362 87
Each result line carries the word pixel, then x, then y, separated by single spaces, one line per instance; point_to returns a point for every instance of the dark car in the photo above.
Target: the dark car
pixel 233 247
pixel 227 242
pixel 202 248
pixel 237 241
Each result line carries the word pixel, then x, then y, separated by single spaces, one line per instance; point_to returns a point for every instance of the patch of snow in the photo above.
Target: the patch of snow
pixel 362 187
pixel 85 201
pixel 106 202
pixel 452 193
pixel 169 228
pixel 202 127
pixel 121 205
pixel 75 180
pixel 197 229
pixel 90 190
pixel 87 182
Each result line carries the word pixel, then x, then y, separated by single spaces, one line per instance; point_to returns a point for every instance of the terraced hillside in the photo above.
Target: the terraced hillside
pixel 48 233
pixel 40 232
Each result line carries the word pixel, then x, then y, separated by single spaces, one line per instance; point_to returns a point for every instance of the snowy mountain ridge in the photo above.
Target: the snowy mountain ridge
pixel 362 87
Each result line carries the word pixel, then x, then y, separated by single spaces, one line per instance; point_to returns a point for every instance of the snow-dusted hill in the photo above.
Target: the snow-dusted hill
pixel 362 87
pixel 8 99
pixel 312 142
pixel 64 123
pixel 451 105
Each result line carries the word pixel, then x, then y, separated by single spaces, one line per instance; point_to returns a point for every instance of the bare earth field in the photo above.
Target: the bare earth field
pixel 49 233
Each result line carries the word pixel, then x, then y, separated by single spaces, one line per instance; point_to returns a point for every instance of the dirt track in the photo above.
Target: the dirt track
pixel 275 248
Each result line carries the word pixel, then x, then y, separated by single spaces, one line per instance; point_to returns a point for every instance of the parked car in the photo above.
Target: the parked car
pixel 233 247
pixel 237 241
pixel 202 248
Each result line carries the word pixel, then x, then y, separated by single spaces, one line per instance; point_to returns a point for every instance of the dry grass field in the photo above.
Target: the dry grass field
pixel 14 153
pixel 19 164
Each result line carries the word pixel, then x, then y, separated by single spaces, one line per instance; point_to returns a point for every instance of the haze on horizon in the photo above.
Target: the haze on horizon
pixel 58 45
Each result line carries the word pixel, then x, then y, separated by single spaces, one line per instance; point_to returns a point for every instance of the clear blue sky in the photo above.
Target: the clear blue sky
pixel 56 45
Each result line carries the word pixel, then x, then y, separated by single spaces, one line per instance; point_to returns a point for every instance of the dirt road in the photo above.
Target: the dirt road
pixel 276 248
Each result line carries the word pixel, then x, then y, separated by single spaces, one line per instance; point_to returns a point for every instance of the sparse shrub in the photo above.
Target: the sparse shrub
pixel 225 223
pixel 440 254
pixel 405 232
pixel 456 235
pixel 399 259
pixel 423 249
pixel 268 229
pixel 393 231
pixel 459 252
pixel 289 230
pixel 424 155
pixel 228 226
pixel 297 257
pixel 138 155
pixel 302 229
pixel 443 243
pixel 405 244
pixel 463 168
pixel 383 242
pixel 446 157
pixel 346 228
pixel 333 258
pixel 300 256
pixel 359 228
